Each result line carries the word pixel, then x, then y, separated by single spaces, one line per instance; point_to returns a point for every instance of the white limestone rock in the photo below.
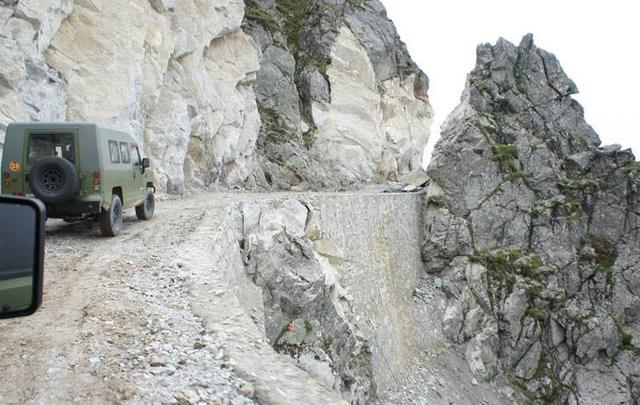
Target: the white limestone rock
pixel 29 88
pixel 350 137
pixel 177 74
pixel 364 134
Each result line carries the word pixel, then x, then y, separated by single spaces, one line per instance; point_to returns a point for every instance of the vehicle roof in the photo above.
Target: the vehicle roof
pixel 63 125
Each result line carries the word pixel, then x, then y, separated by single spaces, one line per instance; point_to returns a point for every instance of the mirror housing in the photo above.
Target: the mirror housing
pixel 145 163
pixel 21 255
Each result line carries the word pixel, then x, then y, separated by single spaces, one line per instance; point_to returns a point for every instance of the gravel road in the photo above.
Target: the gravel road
pixel 148 317
pixel 116 323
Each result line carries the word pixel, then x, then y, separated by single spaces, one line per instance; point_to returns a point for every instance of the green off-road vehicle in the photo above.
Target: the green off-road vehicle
pixel 78 171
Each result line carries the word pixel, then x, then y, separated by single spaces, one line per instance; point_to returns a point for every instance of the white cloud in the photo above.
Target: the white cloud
pixel 596 43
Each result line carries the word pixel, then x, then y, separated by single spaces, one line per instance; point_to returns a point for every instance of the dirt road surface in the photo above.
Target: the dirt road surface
pixel 149 317
pixel 116 323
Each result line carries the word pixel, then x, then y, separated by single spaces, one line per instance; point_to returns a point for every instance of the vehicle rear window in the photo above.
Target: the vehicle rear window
pixel 47 145
pixel 124 152
pixel 114 152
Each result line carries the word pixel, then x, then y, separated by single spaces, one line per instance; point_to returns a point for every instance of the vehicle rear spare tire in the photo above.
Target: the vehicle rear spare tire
pixel 111 219
pixel 53 180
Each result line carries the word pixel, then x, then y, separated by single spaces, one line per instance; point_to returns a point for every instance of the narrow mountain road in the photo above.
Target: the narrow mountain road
pixel 151 316
pixel 116 323
pixel 145 317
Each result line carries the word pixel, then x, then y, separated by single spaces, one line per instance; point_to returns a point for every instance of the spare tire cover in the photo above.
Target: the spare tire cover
pixel 53 180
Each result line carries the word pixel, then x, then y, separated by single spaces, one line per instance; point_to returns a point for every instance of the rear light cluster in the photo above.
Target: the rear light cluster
pixel 96 181
pixel 6 179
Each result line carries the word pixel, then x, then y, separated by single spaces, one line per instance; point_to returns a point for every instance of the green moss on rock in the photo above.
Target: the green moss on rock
pixel 255 12
pixel 293 13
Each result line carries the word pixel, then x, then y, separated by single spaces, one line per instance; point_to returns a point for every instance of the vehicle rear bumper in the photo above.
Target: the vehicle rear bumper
pixel 73 209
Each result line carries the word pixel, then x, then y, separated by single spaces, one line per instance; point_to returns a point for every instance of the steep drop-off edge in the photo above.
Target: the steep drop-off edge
pixel 322 298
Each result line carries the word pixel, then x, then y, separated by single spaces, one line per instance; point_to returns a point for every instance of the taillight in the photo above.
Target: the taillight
pixel 6 179
pixel 96 181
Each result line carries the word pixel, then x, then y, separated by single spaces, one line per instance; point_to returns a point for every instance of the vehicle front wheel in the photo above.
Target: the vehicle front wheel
pixel 145 210
pixel 111 219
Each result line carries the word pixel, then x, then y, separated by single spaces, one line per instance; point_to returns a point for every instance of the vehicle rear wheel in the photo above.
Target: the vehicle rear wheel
pixel 145 210
pixel 111 219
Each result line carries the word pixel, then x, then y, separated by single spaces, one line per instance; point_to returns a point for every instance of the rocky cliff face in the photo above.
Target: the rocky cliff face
pixel 533 235
pixel 337 100
pixel 177 74
pixel 532 229
pixel 340 99
pixel 329 279
pixel 29 88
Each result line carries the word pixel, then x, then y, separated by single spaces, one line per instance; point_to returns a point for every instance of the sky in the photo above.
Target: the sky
pixel 596 42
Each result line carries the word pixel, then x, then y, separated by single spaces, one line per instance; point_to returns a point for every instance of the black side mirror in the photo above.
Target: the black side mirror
pixel 21 255
pixel 145 163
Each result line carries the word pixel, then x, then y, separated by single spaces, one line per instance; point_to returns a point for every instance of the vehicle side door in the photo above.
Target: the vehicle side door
pixel 129 190
pixel 138 184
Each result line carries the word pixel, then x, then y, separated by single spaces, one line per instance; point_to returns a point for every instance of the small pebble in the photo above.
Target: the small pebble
pixel 247 390
pixel 156 361
pixel 240 400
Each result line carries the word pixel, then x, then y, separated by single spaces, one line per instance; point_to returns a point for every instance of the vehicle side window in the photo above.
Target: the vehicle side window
pixel 135 155
pixel 124 152
pixel 114 152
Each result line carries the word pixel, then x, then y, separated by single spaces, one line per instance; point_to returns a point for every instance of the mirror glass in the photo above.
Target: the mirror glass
pixel 18 253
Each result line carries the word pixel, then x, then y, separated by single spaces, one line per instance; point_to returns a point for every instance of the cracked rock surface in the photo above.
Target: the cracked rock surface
pixel 256 94
pixel 532 230
pixel 176 74
pixel 349 106
pixel 307 313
